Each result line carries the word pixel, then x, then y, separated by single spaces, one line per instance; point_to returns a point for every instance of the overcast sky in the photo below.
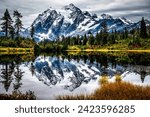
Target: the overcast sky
pixel 131 9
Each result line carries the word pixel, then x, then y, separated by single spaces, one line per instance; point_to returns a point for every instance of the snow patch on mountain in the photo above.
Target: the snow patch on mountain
pixel 72 21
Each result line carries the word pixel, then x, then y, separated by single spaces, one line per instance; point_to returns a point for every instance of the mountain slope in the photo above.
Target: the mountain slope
pixel 71 21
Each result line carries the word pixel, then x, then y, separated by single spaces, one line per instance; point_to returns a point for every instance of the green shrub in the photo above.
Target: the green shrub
pixel 103 80
pixel 118 78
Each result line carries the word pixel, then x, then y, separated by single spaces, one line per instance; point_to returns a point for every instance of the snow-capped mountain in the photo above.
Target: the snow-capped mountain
pixel 71 21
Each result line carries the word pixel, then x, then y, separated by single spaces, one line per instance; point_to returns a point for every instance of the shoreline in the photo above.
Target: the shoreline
pixel 105 50
pixel 11 50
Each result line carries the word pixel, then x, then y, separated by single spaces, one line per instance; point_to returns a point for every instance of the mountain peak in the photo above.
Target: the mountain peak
pixel 71 21
pixel 106 16
pixel 71 7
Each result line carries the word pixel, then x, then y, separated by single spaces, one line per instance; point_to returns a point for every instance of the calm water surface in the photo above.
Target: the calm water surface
pixel 61 74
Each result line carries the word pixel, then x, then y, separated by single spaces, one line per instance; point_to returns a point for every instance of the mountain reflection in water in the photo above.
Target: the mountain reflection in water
pixel 50 76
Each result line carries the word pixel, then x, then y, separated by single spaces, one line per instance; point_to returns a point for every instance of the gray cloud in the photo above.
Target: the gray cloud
pixel 131 12
pixel 127 8
pixel 132 9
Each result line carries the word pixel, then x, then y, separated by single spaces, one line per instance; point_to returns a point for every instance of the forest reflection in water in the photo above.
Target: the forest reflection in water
pixel 60 74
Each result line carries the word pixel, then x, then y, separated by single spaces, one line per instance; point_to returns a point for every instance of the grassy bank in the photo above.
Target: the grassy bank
pixel 10 50
pixel 106 50
pixel 121 45
pixel 114 91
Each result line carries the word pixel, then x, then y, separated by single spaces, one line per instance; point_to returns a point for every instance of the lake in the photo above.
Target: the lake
pixel 52 75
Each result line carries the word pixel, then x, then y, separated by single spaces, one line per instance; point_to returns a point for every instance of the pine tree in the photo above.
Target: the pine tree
pixel 7 23
pixel 105 33
pixel 149 31
pixel 112 38
pixel 32 69
pixel 143 30
pixel 96 42
pixel 91 40
pixel 84 39
pixel 32 31
pixel 126 33
pixel 6 75
pixel 78 40
pixel 18 77
pixel 18 23
pixel 12 32
pixel 100 37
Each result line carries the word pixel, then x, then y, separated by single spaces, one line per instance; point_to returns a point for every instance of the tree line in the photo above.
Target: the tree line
pixel 134 38
pixel 104 37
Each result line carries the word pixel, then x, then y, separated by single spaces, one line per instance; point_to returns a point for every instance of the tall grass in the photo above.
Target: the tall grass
pixel 77 97
pixel 115 91
pixel 122 91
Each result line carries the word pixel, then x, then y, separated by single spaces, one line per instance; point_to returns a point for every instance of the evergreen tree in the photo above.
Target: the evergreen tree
pixel 149 31
pixel 18 77
pixel 18 23
pixel 68 41
pixel 96 42
pixel 105 33
pixel 12 32
pixel 7 23
pixel 143 31
pixel 112 38
pixel 32 69
pixel 100 37
pixel 78 40
pixel 6 75
pixel 32 31
pixel 116 35
pixel 125 33
pixel 84 39
pixel 91 40
pixel 75 40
